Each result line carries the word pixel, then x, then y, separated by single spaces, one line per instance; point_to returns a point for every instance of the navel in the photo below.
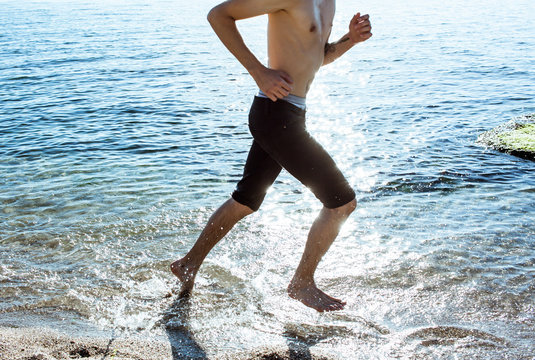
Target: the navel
pixel 312 28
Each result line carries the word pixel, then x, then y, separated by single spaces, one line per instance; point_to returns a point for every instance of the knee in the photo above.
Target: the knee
pixel 349 207
pixel 241 210
pixel 247 211
pixel 345 210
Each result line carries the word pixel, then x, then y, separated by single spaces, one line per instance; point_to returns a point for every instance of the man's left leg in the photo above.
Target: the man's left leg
pixel 259 173
pixel 322 234
pixel 219 224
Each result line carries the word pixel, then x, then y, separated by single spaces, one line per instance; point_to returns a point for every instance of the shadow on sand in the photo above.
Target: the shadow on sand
pixel 299 344
pixel 176 322
pixel 184 346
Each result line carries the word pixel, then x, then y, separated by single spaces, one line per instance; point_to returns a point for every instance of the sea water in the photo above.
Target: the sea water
pixel 123 125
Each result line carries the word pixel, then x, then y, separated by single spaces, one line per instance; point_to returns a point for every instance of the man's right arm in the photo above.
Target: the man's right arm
pixel 274 83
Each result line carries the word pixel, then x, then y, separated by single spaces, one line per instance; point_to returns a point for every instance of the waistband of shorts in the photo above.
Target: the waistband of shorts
pixel 295 100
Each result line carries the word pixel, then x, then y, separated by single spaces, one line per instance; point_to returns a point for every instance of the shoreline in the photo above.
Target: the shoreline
pixel 40 343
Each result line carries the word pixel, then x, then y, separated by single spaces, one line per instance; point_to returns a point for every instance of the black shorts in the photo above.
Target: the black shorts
pixel 282 141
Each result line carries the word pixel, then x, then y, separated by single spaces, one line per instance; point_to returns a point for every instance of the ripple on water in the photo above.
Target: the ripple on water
pixel 120 134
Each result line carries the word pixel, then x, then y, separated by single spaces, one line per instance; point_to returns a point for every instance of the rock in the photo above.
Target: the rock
pixel 516 137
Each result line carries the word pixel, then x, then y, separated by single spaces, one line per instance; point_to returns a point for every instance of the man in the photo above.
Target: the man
pixel 298 33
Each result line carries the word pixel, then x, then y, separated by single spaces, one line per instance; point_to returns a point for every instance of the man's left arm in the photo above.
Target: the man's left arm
pixel 359 31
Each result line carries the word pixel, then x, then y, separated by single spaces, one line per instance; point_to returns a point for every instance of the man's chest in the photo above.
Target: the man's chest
pixel 315 17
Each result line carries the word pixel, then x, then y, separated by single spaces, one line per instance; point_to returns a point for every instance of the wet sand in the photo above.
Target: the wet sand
pixel 47 344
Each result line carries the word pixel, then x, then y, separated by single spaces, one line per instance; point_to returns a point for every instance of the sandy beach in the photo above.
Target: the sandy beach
pixel 47 344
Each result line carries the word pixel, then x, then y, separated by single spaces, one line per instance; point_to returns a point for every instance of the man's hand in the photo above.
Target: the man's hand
pixel 360 28
pixel 359 31
pixel 276 84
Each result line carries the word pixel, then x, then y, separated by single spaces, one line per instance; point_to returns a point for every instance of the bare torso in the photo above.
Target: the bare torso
pixel 297 38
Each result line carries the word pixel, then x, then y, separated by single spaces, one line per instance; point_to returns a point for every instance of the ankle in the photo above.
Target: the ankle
pixel 186 264
pixel 299 282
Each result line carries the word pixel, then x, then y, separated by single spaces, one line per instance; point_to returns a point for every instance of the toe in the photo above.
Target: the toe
pixel 335 299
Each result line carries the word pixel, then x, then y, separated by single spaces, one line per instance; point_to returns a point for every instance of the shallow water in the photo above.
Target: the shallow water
pixel 123 126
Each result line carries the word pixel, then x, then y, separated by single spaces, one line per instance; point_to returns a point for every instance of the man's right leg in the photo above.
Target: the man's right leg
pixel 217 227
pixel 322 234
pixel 284 137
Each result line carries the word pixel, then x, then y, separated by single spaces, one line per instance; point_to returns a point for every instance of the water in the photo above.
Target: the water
pixel 123 126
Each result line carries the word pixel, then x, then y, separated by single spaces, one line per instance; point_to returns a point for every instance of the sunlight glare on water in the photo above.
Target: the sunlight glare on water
pixel 124 125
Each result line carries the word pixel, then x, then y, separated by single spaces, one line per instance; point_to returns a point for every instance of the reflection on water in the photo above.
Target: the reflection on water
pixel 123 127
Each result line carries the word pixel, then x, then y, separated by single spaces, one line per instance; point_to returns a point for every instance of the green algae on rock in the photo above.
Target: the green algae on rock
pixel 516 137
pixel 522 138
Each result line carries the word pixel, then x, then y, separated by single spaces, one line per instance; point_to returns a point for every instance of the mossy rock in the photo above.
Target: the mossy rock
pixel 517 137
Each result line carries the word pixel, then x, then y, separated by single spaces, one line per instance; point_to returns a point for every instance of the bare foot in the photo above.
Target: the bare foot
pixel 186 275
pixel 313 297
